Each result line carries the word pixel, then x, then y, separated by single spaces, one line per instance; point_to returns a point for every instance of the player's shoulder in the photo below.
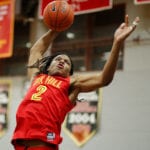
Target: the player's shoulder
pixel 72 79
pixel 75 79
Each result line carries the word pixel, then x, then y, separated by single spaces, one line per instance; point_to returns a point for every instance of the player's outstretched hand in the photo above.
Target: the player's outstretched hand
pixel 124 30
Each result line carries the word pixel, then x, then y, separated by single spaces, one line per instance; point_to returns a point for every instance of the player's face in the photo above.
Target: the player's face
pixel 60 65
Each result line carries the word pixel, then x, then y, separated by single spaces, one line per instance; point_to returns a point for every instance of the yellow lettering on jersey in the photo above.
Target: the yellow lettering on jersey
pixel 38 81
pixel 52 81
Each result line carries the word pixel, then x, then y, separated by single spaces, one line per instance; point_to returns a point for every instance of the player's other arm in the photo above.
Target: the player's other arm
pixel 39 48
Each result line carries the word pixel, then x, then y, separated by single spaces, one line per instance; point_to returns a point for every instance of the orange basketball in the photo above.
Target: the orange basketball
pixel 58 15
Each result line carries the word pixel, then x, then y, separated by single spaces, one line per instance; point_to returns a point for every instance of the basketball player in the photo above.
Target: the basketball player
pixel 54 90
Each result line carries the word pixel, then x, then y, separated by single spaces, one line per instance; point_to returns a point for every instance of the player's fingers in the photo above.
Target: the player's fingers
pixel 126 20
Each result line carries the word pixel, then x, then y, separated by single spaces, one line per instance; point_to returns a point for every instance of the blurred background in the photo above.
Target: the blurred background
pixel 124 115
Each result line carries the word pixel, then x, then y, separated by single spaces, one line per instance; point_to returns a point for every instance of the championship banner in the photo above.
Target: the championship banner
pixel 5 86
pixel 6 27
pixel 81 6
pixel 142 1
pixel 82 121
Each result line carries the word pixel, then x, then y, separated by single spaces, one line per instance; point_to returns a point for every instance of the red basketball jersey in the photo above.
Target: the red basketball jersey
pixel 43 109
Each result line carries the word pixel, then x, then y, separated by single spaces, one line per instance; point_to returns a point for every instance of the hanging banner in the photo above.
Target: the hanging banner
pixel 142 1
pixel 6 27
pixel 5 86
pixel 82 122
pixel 81 6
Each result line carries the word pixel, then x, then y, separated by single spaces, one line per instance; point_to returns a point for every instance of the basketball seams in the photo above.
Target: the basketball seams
pixel 50 16
pixel 65 18
pixel 66 14
pixel 57 15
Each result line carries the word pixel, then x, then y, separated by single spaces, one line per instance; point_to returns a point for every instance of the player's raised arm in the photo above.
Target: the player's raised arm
pixel 39 48
pixel 92 82
pixel 122 32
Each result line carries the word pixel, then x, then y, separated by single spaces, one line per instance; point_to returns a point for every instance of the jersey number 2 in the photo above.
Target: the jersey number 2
pixel 39 91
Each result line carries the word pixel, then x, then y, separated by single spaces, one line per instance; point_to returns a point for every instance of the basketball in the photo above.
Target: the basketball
pixel 58 15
